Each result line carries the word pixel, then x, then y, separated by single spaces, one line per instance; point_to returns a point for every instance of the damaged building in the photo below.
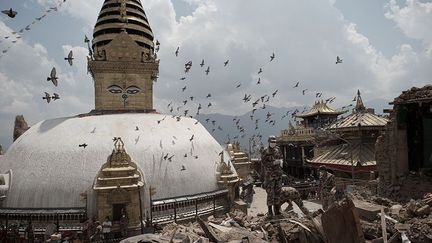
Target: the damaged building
pixel 404 150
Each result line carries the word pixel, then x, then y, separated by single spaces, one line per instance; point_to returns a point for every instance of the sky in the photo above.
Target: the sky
pixel 386 47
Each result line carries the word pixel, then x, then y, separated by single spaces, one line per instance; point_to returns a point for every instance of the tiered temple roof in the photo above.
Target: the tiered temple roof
pixel 320 108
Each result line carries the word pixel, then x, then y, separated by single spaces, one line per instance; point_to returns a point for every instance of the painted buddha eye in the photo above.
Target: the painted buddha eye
pixel 115 89
pixel 133 90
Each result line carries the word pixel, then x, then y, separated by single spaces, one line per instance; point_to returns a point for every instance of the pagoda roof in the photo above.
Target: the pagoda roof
pixel 363 154
pixel 321 108
pixel 360 117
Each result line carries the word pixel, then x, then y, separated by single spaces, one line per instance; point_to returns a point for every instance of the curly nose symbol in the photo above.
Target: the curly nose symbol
pixel 124 96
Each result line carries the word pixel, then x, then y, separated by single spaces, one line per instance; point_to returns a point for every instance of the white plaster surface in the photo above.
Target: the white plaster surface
pixel 50 170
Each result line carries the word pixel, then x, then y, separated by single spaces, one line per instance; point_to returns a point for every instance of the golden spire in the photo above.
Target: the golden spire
pixel 359 106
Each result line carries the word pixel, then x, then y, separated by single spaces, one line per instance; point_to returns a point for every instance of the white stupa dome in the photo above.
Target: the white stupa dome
pixel 50 170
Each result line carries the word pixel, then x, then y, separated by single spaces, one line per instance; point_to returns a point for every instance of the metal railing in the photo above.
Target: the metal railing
pixel 186 208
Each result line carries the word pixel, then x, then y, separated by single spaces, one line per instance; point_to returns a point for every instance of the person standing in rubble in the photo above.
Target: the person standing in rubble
pixel 271 159
pixel 326 183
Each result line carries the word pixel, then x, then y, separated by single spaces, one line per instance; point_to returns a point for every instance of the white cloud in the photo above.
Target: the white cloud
pixel 23 72
pixel 306 36
pixel 414 19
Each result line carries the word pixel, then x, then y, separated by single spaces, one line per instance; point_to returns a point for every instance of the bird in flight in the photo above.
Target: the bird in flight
pixel 207 71
pixel 190 139
pixel 272 57
pixel 184 88
pixel 84 145
pixel 304 91
pixel 11 13
pixel 259 81
pixel 274 93
pixel 260 71
pixel 47 97
pixel 226 63
pixel 55 97
pixel 208 96
pixel 183 167
pixel 69 58
pixel 53 77
pixel 183 78
pixel 177 51
pixel 202 63
pixel 238 85
pixel 338 60
pixel 297 84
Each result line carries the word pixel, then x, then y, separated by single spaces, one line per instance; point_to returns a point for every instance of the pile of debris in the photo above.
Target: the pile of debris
pixel 237 227
pixel 412 220
pixel 361 221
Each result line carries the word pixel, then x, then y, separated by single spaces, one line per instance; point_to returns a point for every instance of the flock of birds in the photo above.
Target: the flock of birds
pixel 184 108
pixel 13 37
pixel 258 103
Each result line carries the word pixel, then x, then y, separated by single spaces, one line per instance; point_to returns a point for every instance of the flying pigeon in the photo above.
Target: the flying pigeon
pixel 226 63
pixel 11 13
pixel 177 51
pixel 338 60
pixel 84 145
pixel 55 96
pixel 70 58
pixel 183 168
pixel 297 84
pixel 202 63
pixel 260 71
pixel 47 97
pixel 53 77
pixel 272 57
pixel 207 71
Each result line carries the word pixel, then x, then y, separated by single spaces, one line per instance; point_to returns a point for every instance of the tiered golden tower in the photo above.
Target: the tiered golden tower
pixel 123 62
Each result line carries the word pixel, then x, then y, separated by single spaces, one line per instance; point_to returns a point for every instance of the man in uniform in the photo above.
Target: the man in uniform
pixel 289 195
pixel 271 159
pixel 326 183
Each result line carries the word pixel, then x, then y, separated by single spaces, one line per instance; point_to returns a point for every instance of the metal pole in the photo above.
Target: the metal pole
pixel 214 205
pixel 58 223
pixel 151 206
pixel 140 207
pixel 175 212
pixel 352 168
pixel 196 207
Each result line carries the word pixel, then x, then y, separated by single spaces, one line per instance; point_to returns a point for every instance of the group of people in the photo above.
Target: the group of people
pixel 278 194
pixel 95 231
